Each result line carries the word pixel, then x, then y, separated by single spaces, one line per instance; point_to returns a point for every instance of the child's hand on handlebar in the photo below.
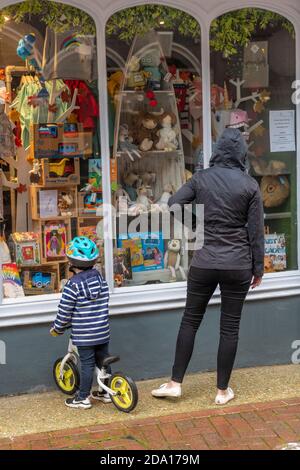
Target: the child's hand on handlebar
pixel 54 333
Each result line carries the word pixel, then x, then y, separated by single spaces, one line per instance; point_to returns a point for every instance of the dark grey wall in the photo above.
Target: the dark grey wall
pixel 146 344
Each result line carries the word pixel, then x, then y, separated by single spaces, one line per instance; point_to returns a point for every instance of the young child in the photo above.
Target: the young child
pixel 84 307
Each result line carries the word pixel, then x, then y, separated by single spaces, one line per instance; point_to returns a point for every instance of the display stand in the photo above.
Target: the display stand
pixel 148 138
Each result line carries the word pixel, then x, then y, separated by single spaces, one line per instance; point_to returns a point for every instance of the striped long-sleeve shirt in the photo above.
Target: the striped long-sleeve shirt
pixel 84 307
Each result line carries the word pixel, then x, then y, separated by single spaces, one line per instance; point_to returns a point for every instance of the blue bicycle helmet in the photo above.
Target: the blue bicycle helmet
pixel 82 252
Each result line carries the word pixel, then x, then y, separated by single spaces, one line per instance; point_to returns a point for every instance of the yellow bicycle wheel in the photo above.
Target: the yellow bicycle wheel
pixel 69 382
pixel 127 392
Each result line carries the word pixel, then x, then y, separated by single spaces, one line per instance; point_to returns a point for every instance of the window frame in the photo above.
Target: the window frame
pixel 139 299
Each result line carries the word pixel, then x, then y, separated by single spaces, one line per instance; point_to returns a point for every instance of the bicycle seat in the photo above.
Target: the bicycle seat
pixel 110 360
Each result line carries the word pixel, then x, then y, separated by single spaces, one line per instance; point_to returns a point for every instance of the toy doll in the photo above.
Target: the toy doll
pixel 167 135
pixel 151 63
pixel 136 78
pixel 146 131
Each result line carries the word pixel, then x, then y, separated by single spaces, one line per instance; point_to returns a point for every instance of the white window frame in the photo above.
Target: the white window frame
pixel 139 299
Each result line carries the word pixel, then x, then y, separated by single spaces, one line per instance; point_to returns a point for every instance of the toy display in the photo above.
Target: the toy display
pixel 55 239
pixel 35 173
pixel 60 140
pixel 275 190
pixel 57 172
pixel 172 260
pixel 164 198
pixel 90 202
pixel 66 204
pixel 26 248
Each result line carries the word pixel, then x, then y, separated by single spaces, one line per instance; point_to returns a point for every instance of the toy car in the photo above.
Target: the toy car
pixel 40 279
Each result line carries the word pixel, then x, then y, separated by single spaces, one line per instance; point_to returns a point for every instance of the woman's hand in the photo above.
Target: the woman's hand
pixel 256 281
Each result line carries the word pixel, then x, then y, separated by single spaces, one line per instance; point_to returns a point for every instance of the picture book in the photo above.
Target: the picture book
pixel 89 232
pixel 147 250
pixel 12 286
pixel 275 252
pixel 122 266
pixel 55 239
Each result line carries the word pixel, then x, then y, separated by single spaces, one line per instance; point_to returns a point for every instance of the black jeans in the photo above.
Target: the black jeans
pixel 234 286
pixel 90 356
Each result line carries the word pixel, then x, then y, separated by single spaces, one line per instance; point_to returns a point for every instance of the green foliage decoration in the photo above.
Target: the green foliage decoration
pixel 228 31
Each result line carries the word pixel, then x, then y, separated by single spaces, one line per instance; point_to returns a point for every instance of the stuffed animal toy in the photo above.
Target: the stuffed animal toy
pixel 167 134
pixel 121 200
pixel 262 167
pixel 114 83
pixel 146 131
pixel 151 63
pixel 275 190
pixel 164 198
pixel 35 173
pixel 126 143
pixel 268 264
pixel 65 203
pixel 136 78
pixel 172 260
pixel 130 179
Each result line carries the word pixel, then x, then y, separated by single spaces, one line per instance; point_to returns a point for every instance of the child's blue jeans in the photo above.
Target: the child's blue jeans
pixel 90 356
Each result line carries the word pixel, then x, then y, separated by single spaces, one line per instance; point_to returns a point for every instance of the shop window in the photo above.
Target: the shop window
pixel 51 178
pixel 155 114
pixel 252 72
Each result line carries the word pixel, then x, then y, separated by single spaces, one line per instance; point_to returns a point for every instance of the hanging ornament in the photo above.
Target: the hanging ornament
pixel 22 188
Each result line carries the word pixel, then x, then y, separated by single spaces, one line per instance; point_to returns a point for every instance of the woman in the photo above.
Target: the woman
pixel 232 256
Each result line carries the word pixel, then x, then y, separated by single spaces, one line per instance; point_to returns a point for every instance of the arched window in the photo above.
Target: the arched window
pixel 50 181
pixel 156 136
pixel 252 73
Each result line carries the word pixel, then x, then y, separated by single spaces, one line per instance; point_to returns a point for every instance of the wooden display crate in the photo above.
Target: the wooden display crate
pixel 86 207
pixel 55 234
pixel 60 140
pixel 62 213
pixel 39 282
pixel 58 172
pixel 57 270
pixel 87 227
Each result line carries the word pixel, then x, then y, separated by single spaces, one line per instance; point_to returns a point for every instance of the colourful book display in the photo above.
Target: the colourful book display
pixel 275 252
pixel 12 286
pixel 147 250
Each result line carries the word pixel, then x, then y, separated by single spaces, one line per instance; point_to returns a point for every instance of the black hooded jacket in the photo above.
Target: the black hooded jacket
pixel 233 209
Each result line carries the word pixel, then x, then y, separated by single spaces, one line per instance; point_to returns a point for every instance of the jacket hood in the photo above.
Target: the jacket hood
pixel 89 283
pixel 230 151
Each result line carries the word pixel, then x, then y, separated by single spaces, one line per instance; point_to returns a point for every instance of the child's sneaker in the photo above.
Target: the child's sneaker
pixel 101 396
pixel 75 402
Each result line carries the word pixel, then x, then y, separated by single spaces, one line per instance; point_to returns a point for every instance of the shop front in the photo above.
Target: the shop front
pixel 105 112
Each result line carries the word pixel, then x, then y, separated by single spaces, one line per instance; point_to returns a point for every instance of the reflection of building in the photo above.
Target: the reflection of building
pixel 153 308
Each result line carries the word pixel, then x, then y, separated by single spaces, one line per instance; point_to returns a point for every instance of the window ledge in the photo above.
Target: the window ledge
pixel 42 309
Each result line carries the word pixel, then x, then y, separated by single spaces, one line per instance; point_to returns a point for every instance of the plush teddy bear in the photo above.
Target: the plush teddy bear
pixel 146 131
pixel 275 190
pixel 172 259
pixel 65 203
pixel 167 134
pixel 126 143
pixel 136 78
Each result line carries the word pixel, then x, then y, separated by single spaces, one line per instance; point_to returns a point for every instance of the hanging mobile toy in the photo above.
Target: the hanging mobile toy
pixel 26 51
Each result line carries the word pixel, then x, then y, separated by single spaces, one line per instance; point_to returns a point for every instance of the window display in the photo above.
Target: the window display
pixel 50 166
pixel 256 97
pixel 157 116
